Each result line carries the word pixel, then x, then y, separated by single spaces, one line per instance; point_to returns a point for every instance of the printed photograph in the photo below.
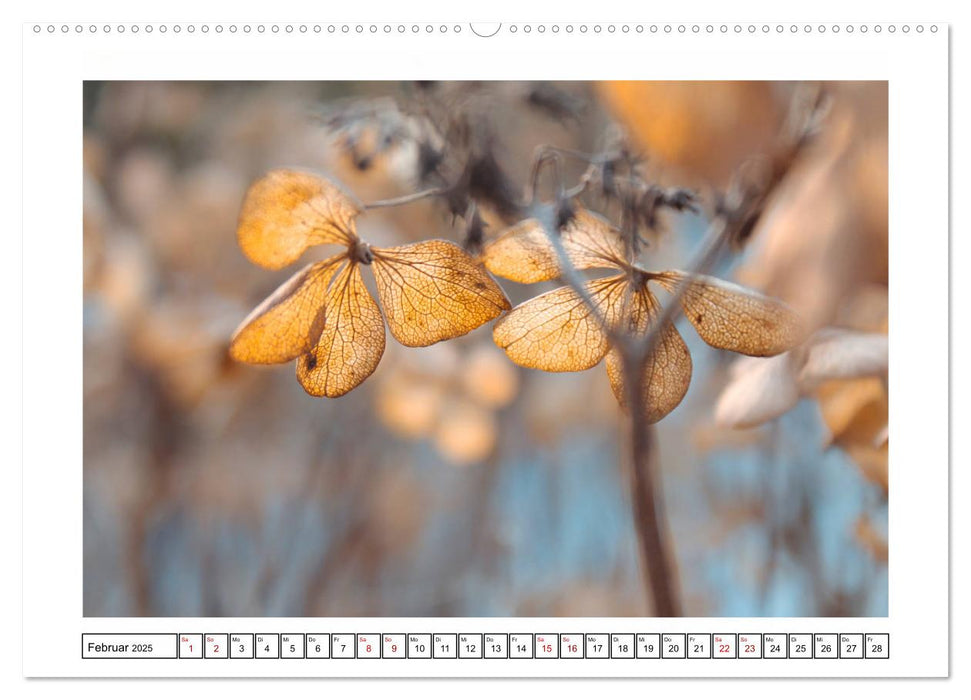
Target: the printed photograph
pixel 510 349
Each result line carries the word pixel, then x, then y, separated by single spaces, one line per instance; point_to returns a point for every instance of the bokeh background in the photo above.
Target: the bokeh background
pixel 453 482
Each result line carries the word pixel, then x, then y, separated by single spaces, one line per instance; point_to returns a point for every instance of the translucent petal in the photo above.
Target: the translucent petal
pixel 433 291
pixel 288 323
pixel 525 254
pixel 731 317
pixel 557 332
pixel 287 211
pixel 351 342
pixel 667 372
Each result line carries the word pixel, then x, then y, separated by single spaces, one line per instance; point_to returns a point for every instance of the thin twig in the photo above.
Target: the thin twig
pixel 647 495
pixel 649 516
pixel 736 216
pixel 735 220
pixel 581 186
pixel 407 198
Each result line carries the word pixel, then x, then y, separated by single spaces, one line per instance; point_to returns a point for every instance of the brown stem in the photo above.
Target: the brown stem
pixel 736 217
pixel 647 499
pixel 407 198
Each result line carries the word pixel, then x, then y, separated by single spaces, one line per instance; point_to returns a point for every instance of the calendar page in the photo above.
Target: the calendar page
pixel 446 348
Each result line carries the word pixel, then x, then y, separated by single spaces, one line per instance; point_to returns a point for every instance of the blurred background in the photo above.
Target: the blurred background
pixel 453 482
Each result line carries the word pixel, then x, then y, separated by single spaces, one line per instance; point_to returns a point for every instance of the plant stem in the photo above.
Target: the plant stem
pixel 406 199
pixel 736 218
pixel 657 561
